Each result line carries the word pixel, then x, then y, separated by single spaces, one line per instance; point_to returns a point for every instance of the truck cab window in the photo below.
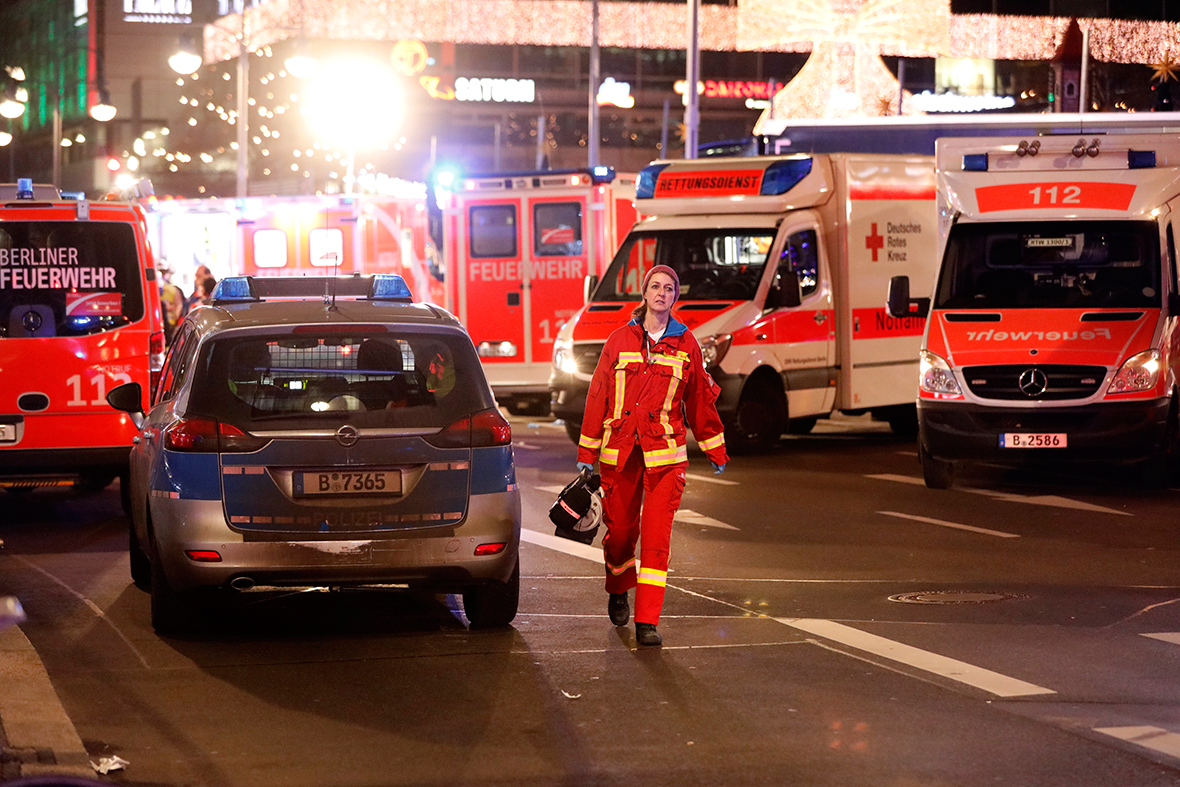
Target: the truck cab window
pixel 557 229
pixel 801 255
pixel 493 231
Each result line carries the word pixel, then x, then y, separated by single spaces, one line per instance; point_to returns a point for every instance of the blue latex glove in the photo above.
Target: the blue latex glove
pixel 586 466
pixel 717 469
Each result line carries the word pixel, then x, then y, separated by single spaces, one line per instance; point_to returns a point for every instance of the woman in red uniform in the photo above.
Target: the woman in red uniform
pixel 649 381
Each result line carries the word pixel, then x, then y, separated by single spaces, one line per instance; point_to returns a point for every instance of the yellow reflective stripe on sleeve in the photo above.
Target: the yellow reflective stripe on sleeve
pixel 609 456
pixel 652 576
pixel 616 570
pixel 712 442
pixel 589 442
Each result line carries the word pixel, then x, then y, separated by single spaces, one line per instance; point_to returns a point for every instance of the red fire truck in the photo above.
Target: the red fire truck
pixel 518 248
pixel 273 236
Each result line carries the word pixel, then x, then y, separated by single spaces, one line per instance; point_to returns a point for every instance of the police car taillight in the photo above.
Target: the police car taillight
pixel 205 435
pixel 485 428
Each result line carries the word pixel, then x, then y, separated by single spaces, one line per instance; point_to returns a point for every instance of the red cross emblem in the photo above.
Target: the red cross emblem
pixel 874 242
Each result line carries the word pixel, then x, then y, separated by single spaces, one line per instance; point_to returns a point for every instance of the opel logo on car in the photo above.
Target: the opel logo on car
pixel 1033 382
pixel 347 436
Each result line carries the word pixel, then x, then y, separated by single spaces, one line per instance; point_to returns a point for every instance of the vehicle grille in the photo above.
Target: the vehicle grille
pixel 1059 381
pixel 586 357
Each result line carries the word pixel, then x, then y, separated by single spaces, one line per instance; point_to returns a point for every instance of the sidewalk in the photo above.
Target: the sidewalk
pixel 36 736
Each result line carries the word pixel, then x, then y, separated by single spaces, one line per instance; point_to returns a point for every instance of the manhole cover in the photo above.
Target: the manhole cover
pixel 953 597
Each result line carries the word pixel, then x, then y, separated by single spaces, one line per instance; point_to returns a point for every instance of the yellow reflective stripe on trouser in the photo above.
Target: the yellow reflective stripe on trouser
pixel 712 442
pixel 589 442
pixel 616 570
pixel 665 456
pixel 652 576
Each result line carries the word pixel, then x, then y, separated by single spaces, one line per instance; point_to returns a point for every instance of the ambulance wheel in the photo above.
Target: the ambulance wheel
pixel 759 420
pixel 937 473
pixel 493 604
pixel 1161 469
pixel 574 431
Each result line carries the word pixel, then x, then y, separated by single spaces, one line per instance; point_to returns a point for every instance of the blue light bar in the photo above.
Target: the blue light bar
pixel 782 176
pixel 234 288
pixel 601 174
pixel 24 188
pixel 975 162
pixel 1140 159
pixel 645 184
pixel 388 287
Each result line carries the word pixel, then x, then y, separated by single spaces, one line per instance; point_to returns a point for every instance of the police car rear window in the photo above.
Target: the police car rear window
pixel 386 380
pixel 68 278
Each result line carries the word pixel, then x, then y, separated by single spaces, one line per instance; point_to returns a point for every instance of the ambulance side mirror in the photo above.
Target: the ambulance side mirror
pixel 589 285
pixel 785 293
pixel 900 304
pixel 128 397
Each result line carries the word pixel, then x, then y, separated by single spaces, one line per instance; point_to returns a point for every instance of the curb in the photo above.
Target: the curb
pixel 36 736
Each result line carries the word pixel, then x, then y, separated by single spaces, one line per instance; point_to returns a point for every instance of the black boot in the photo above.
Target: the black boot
pixel 646 634
pixel 618 609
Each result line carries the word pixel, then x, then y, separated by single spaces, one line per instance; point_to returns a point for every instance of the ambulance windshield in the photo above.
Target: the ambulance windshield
pixel 1051 264
pixel 68 278
pixel 713 264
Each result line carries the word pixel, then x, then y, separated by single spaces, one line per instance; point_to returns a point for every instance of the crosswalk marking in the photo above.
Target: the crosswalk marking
pixel 955 525
pixel 1166 636
pixel 1153 738
pixel 1054 501
pixel 693 518
pixel 960 671
pixel 711 479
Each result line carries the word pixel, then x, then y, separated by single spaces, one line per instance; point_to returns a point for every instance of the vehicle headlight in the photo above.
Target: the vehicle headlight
pixel 563 356
pixel 496 349
pixel 714 348
pixel 1138 373
pixel 936 376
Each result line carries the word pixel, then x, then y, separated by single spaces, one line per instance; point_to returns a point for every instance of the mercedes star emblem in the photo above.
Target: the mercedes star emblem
pixel 347 436
pixel 1033 382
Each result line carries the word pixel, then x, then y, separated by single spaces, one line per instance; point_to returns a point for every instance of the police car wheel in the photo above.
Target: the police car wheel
pixel 493 604
pixel 141 565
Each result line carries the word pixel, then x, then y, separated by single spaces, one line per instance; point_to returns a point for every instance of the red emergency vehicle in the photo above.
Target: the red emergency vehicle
pixel 79 315
pixel 518 248
pixel 783 264
pixel 302 235
pixel 1053 332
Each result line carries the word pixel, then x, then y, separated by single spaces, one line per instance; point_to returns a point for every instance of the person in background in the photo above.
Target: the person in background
pixel 173 303
pixel 203 284
pixel 649 381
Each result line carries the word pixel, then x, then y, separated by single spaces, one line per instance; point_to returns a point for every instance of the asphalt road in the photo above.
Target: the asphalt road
pixel 829 621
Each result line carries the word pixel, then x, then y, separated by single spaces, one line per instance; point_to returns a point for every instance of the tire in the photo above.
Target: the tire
pixel 493 604
pixel 1160 470
pixel 92 484
pixel 801 425
pixel 141 564
pixel 937 473
pixel 903 421
pixel 759 420
pixel 573 430
pixel 168 607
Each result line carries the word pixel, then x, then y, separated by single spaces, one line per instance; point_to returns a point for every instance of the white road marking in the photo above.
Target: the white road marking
pixel 1054 501
pixel 711 479
pixel 553 490
pixel 1165 636
pixel 558 544
pixel 943 523
pixel 960 671
pixel 1153 738
pixel 693 518
pixel 991 682
pixel 524 445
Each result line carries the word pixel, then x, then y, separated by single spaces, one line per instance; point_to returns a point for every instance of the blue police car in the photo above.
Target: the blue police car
pixel 321 431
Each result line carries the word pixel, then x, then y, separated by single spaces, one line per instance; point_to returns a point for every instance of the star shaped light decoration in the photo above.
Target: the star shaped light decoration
pixel 1165 69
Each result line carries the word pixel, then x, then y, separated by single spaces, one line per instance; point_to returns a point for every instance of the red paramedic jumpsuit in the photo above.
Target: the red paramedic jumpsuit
pixel 634 425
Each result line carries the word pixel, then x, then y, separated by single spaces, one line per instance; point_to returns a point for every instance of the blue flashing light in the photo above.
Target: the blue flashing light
pixel 782 176
pixel 601 174
pixel 446 178
pixel 645 184
pixel 975 162
pixel 1140 159
pixel 24 188
pixel 389 287
pixel 234 288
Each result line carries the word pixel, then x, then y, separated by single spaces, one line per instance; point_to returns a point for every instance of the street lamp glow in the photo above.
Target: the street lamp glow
pixel 11 109
pixel 184 62
pixel 355 103
pixel 5 138
pixel 102 112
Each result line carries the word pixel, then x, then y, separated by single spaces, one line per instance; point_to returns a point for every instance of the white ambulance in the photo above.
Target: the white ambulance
pixel 1052 333
pixel 783 264
pixel 517 248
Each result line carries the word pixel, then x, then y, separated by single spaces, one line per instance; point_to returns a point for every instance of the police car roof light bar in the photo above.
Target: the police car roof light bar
pixel 245 289
pixel 24 188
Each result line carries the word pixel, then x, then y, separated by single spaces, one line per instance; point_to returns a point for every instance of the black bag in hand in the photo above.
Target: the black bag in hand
pixel 578 510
